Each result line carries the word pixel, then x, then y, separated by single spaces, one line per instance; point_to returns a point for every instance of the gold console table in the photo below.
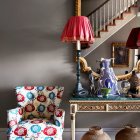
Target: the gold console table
pixel 101 105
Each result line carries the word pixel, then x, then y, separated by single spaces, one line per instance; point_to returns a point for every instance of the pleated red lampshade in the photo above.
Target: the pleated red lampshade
pixel 78 28
pixel 133 41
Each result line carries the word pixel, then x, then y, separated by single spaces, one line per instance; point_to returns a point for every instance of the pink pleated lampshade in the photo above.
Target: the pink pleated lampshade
pixel 78 28
pixel 133 41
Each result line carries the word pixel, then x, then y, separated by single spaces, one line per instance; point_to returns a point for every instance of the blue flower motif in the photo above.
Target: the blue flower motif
pixel 23 122
pixel 8 130
pixel 30 95
pixel 57 123
pixel 31 116
pixel 49 138
pixel 35 128
pixel 48 123
pixel 19 87
pixel 52 95
pixel 14 111
pixel 19 138
pixel 41 108
pixel 40 88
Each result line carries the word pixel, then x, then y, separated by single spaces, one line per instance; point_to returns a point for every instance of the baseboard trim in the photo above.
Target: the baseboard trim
pixel 79 132
pixel 86 129
pixel 77 129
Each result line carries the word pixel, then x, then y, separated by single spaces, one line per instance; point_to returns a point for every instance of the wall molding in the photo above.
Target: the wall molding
pixel 86 129
pixel 67 132
pixel 78 129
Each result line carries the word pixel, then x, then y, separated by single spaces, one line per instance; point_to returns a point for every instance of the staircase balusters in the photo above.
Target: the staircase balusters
pixel 120 8
pixel 112 11
pixel 135 2
pixel 127 5
pixel 96 23
pixel 123 5
pixel 104 18
pixel 107 12
pixel 116 11
pixel 100 18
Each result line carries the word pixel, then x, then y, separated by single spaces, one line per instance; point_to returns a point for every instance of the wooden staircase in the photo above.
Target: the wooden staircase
pixel 108 18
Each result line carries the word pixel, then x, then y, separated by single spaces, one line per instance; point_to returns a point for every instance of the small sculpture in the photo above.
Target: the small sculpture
pixel 92 86
pixel 134 85
pixel 107 78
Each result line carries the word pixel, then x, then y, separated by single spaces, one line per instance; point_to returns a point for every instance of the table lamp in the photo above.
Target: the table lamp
pixel 78 30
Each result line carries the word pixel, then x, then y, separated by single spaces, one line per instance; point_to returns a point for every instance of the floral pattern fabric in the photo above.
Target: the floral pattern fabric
pixel 39 101
pixel 38 117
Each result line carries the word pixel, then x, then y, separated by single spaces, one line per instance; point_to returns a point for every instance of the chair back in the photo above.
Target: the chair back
pixel 39 101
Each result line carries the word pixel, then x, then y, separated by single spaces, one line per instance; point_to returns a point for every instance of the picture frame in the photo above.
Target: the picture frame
pixel 120 54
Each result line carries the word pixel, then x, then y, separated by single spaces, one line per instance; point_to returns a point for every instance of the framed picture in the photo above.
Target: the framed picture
pixel 120 54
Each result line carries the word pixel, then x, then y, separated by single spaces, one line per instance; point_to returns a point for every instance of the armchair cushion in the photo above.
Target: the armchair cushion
pixel 36 128
pixel 39 101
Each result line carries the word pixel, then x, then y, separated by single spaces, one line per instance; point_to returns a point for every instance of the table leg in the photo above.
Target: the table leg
pixel 73 126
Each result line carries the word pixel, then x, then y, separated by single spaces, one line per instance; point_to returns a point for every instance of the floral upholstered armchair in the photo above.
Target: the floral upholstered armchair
pixel 38 116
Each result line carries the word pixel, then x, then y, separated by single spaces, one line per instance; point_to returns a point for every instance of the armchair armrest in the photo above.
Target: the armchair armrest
pixel 14 116
pixel 59 116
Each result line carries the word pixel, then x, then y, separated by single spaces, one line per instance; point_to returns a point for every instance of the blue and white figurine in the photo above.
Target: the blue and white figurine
pixel 107 78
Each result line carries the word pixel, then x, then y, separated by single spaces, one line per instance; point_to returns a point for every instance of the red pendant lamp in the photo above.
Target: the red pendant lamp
pixel 78 30
pixel 133 41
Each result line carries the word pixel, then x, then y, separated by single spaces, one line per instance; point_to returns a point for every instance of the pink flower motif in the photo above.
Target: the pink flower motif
pixel 20 111
pixel 59 94
pixel 50 88
pixel 51 108
pixel 12 123
pixel 50 131
pixel 29 87
pixel 20 131
pixel 58 113
pixel 36 121
pixel 41 98
pixel 29 108
pixel 20 97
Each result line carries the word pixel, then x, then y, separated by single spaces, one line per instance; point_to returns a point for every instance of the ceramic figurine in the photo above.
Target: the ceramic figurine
pixel 96 133
pixel 92 86
pixel 107 78
pixel 134 83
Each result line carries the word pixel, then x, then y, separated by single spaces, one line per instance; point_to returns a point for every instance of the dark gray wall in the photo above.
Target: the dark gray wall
pixel 31 53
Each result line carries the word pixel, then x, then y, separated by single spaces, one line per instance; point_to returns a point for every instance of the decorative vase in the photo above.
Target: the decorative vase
pixel 107 78
pixel 96 133
pixel 134 83
pixel 130 132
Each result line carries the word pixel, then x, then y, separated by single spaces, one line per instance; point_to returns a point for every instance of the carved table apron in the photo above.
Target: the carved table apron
pixel 81 105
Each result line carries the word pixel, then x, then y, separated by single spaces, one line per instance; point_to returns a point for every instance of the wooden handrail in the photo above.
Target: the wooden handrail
pixel 97 8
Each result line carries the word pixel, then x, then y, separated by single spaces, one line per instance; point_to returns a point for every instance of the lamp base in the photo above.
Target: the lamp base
pixel 80 92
